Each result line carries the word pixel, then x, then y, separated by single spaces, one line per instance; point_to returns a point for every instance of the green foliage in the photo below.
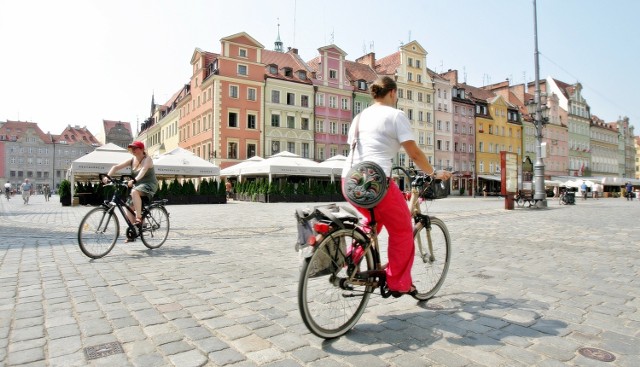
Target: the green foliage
pixel 203 188
pixel 188 188
pixel 461 190
pixel 175 187
pixel 64 189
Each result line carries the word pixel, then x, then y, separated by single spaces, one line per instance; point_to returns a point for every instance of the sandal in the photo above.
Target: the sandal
pixel 413 291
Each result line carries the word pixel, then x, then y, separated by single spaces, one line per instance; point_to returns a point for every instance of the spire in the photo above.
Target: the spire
pixel 278 43
pixel 153 103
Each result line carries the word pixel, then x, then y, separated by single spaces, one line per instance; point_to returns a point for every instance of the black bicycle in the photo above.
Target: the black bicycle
pixel 100 228
pixel 345 265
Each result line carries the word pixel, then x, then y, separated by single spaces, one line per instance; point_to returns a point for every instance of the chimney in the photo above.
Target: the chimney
pixel 368 59
pixel 451 75
pixel 293 50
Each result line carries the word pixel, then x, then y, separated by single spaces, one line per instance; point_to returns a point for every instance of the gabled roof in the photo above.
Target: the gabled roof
pixel 332 46
pixel 108 125
pixel 19 128
pixel 314 63
pixel 242 38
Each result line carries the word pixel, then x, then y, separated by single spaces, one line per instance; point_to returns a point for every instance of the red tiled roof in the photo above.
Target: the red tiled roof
pixel 357 71
pixel 477 93
pixel 388 64
pixel 18 128
pixel 108 125
pixel 285 60
pixel 76 134
pixel 314 64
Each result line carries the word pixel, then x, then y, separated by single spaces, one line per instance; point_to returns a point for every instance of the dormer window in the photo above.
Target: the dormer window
pixel 302 75
pixel 362 85
pixel 288 72
pixel 333 74
pixel 273 69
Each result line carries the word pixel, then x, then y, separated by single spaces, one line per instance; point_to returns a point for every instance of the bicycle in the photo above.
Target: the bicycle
pixel 345 266
pixel 7 194
pixel 100 227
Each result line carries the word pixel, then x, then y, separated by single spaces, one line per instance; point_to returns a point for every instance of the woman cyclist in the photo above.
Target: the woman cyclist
pixel 382 131
pixel 143 183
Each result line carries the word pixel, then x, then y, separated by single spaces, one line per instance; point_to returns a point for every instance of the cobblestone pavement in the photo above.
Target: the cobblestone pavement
pixel 526 287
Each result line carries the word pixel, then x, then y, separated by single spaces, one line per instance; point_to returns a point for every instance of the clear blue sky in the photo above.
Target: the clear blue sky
pixel 81 61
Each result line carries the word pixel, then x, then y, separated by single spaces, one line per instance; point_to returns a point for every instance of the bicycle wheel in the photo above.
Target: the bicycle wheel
pixel 155 227
pixel 431 259
pixel 330 305
pixel 98 232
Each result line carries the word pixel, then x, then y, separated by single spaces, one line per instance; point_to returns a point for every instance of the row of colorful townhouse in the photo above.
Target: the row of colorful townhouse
pixel 247 100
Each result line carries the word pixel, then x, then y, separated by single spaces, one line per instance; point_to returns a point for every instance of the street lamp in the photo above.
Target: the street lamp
pixel 540 195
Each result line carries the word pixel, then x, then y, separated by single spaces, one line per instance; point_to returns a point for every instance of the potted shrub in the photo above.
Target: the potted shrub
pixel 64 191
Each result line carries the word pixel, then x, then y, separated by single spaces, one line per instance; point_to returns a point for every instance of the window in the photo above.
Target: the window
pixel 411 62
pixel 410 114
pixel 251 94
pixel 242 70
pixel 275 147
pixel 304 125
pixel 409 76
pixel 333 102
pixel 251 121
pixel 305 150
pixel 419 78
pixel 410 95
pixel 242 52
pixel 418 64
pixel 291 123
pixel 233 91
pixel 400 93
pixel 291 99
pixel 345 129
pixel 419 96
pixel 319 126
pixel 333 74
pixel 302 75
pixel 439 125
pixel 304 101
pixel 275 96
pixel 232 150
pixel 447 146
pixel 275 120
pixel 273 69
pixel 333 127
pixel 320 99
pixel 438 144
pixel 233 119
pixel 251 150
pixel 345 103
pixel 420 116
pixel 481 147
pixel 357 107
pixel 291 147
pixel 362 85
pixel 288 72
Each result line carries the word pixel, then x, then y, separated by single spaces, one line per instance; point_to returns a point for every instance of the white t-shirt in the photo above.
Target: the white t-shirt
pixel 7 185
pixel 382 129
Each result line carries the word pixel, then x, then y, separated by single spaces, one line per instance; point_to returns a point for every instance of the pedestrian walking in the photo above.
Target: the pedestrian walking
pixel 583 190
pixel 26 190
pixel 629 191
pixel 46 190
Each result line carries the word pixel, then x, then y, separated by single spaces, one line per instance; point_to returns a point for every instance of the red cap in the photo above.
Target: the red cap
pixel 137 144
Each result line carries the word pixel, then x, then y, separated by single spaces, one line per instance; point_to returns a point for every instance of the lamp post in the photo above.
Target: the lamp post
pixel 540 195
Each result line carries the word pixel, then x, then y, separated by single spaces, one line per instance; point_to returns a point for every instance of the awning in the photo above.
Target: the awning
pixel 490 177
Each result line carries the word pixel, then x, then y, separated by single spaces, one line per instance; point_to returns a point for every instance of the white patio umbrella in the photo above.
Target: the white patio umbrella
pixel 336 163
pixel 286 164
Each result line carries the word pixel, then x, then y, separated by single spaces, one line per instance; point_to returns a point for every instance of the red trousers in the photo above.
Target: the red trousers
pixel 393 214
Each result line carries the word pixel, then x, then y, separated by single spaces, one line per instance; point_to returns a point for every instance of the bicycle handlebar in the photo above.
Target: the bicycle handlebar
pixel 417 178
